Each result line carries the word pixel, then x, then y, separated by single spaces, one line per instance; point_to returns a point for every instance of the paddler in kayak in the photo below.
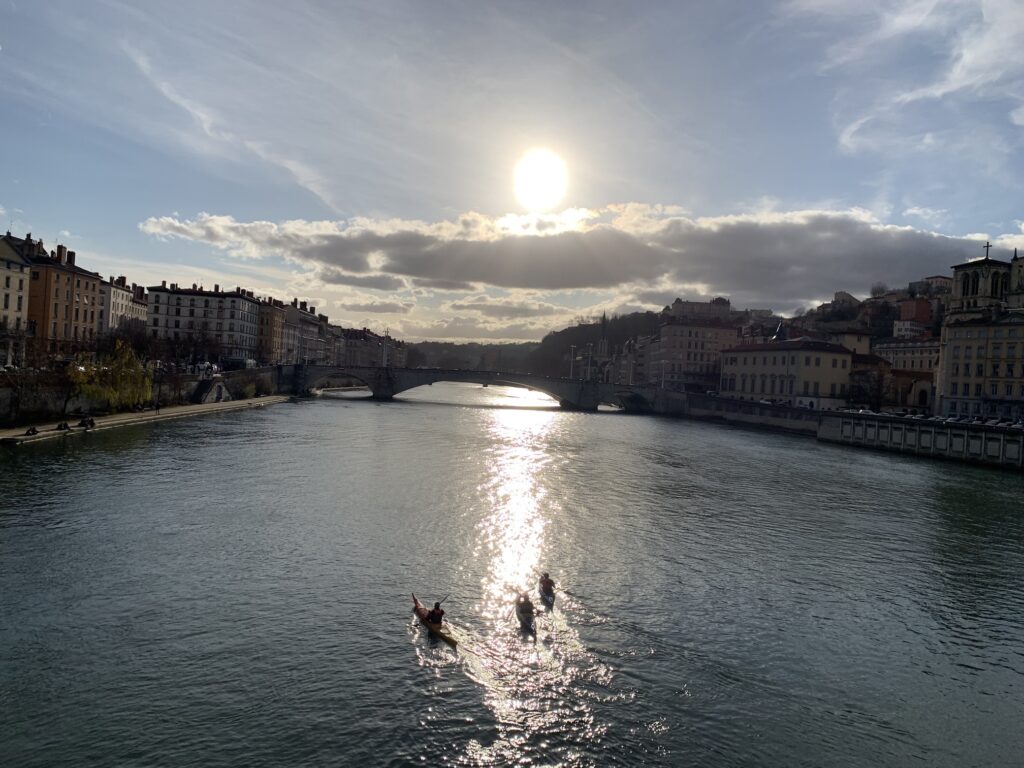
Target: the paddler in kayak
pixel 524 609
pixel 435 614
pixel 547 585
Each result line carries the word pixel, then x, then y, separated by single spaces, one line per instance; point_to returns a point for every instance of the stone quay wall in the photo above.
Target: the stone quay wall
pixel 974 443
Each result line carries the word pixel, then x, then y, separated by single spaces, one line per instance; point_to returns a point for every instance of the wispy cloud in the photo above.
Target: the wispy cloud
pixel 922 77
pixel 933 216
pixel 381 307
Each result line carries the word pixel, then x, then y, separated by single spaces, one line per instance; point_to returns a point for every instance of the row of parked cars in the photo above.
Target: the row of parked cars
pixel 979 420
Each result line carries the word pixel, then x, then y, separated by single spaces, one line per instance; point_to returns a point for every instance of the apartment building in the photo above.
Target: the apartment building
pixel 64 300
pixel 121 305
pixel 804 372
pixel 223 321
pixel 687 353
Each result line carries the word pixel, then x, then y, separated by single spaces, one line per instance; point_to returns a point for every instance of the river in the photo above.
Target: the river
pixel 234 590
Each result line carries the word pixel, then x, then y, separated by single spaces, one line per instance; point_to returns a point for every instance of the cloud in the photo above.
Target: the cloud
pixel 471 329
pixel 376 282
pixel 505 308
pixel 440 284
pixel 914 52
pixel 762 259
pixel 934 216
pixel 382 307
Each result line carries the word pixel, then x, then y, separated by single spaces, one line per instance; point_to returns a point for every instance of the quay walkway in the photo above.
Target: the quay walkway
pixel 49 431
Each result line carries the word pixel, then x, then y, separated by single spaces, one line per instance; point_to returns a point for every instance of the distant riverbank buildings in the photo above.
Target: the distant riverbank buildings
pixel 52 308
pixel 880 352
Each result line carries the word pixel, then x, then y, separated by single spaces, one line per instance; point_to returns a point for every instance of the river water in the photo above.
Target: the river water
pixel 234 590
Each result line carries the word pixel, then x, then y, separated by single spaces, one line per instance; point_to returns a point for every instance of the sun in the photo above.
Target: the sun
pixel 541 180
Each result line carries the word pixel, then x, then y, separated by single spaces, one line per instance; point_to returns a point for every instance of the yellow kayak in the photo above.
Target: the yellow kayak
pixel 437 630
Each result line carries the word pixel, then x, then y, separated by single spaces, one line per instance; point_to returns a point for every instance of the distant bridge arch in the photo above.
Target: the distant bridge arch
pixel 386 382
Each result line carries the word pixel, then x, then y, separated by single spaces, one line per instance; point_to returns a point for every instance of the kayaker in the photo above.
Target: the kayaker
pixel 436 614
pixel 547 584
pixel 525 604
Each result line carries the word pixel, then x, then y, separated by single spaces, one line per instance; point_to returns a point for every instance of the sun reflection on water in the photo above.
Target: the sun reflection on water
pixel 540 691
pixel 513 533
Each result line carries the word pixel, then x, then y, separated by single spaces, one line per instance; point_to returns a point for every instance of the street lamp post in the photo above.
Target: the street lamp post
pixel 572 357
pixel 590 356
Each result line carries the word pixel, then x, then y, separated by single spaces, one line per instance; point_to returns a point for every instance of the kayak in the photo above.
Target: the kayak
pixel 526 620
pixel 437 630
pixel 548 598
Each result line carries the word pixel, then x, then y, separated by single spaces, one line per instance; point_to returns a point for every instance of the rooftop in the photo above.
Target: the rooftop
pixel 803 343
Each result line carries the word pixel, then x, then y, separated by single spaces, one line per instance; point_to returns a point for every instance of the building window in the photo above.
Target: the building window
pixel 817 364
pixel 835 362
pixel 953 388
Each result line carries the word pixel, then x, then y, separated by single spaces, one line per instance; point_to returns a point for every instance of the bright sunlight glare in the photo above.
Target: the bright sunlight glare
pixel 541 180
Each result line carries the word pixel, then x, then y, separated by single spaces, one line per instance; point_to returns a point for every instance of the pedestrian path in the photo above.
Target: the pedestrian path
pixel 49 431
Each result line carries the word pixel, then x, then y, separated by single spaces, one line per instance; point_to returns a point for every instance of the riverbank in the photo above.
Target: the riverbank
pixel 50 431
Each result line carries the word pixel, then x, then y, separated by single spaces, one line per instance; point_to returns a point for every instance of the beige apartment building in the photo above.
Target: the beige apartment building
pixel 222 320
pixel 14 283
pixel 920 354
pixel 804 372
pixel 982 367
pixel 121 305
pixel 688 353
pixel 981 351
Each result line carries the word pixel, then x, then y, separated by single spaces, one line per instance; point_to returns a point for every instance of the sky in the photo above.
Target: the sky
pixel 361 156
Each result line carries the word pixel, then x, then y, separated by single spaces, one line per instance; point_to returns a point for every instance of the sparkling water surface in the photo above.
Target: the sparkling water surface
pixel 234 590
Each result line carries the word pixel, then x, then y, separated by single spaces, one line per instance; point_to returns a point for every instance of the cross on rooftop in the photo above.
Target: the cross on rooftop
pixel 987 246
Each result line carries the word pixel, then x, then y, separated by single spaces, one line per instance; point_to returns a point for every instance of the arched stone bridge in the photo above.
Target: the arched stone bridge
pixel 385 383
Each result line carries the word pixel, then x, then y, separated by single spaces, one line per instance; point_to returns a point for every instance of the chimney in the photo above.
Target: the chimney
pixel 295 302
pixel 71 258
pixel 62 254
pixel 302 306
pixel 163 283
pixel 216 287
pixel 312 310
pixel 195 287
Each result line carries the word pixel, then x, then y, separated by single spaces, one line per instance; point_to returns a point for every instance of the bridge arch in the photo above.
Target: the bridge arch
pixel 385 383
